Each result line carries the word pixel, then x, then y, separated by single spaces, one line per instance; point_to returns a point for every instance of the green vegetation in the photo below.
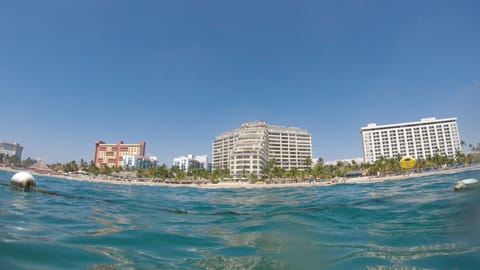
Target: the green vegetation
pixel 13 161
pixel 391 166
pixel 381 167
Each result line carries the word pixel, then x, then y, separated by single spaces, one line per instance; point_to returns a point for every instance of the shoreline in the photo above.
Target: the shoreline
pixel 226 184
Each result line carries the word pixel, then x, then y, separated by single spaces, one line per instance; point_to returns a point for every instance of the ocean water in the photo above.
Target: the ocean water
pixel 418 223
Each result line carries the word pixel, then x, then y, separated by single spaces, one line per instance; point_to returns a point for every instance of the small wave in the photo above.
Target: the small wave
pixel 396 267
pixel 403 254
pixel 290 210
pixel 238 262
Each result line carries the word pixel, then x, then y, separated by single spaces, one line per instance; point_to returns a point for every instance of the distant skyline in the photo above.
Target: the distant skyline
pixel 175 74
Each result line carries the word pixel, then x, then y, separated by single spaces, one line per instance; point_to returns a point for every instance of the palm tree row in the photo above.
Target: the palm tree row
pixel 14 161
pixel 382 166
pixel 387 166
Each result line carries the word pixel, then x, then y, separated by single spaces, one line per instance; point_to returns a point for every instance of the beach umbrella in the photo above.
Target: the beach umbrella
pixel 407 162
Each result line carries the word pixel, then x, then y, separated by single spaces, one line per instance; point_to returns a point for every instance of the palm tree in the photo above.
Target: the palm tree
pixel 381 165
pixel 93 169
pixel 460 156
pixel 318 169
pixel 28 162
pixel 106 170
pixel 391 164
pixel 329 171
pixel 354 166
pixel 83 165
pixel 219 173
pixel 14 161
pixel 244 173
pixel 277 172
pixel 163 172
pixel 308 162
pixel 177 172
pixel 420 164
pixel 70 166
pixel 320 162
pixel 268 168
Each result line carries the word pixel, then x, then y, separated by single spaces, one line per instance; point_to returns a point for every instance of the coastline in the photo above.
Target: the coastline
pixel 228 184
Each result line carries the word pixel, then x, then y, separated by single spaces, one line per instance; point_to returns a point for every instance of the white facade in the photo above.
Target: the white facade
pixel 420 139
pixel 11 149
pixel 131 161
pixel 202 161
pixel 128 161
pixel 246 150
pixel 250 150
pixel 290 147
pixel 344 161
pixel 188 162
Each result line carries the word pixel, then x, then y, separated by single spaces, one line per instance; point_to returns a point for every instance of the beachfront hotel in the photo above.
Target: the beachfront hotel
pixel 420 139
pixel 11 149
pixel 247 149
pixel 111 154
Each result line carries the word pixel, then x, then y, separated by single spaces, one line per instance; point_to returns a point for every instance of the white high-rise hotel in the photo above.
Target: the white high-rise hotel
pixel 418 139
pixel 247 149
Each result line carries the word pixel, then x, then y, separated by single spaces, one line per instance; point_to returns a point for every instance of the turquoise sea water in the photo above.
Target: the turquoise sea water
pixel 419 223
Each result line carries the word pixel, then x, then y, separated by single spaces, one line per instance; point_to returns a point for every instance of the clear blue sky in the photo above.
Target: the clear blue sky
pixel 177 73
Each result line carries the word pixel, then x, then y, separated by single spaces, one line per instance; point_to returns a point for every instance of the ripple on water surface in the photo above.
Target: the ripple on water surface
pixel 418 223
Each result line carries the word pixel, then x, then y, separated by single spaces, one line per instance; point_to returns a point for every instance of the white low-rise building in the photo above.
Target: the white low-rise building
pixel 350 161
pixel 11 149
pixel 189 162
pixel 138 162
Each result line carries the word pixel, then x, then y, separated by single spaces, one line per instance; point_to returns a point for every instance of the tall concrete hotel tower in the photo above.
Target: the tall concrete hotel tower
pixel 420 139
pixel 247 149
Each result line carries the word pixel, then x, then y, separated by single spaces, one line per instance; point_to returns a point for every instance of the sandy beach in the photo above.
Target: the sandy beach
pixel 229 184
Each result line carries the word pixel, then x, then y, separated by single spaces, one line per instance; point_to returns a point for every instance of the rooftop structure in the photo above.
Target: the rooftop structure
pixel 40 166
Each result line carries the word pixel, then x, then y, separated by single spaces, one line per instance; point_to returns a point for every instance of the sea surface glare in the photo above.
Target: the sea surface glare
pixel 418 223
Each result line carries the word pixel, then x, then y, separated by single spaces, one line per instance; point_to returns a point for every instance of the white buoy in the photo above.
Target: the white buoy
pixel 23 180
pixel 467 184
